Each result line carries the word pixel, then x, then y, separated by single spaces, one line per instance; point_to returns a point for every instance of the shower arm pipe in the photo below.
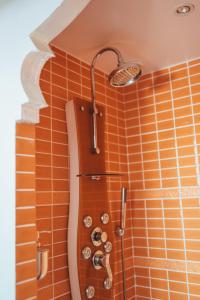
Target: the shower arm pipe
pixel 93 93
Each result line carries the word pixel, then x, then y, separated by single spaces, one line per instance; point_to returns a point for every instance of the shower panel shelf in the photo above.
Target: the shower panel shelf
pixel 97 176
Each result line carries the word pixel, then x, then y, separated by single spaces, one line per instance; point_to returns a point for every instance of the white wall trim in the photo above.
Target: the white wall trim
pixel 34 61
pixel 30 76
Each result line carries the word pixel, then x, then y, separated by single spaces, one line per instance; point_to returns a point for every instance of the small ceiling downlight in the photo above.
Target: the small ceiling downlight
pixel 185 9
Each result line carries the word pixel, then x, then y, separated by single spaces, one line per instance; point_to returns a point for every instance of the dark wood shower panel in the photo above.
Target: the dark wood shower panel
pixel 93 196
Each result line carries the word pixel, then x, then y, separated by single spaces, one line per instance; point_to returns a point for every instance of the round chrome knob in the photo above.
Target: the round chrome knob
pixel 82 108
pixel 108 247
pixel 86 252
pixel 90 292
pixel 87 221
pixel 107 283
pixel 98 237
pixel 119 231
pixel 105 218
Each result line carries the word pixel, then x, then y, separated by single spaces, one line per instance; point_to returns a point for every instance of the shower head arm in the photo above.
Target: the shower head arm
pixel 112 49
pixel 99 53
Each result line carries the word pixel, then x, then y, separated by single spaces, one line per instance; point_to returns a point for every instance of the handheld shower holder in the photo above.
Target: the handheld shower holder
pixel 120 230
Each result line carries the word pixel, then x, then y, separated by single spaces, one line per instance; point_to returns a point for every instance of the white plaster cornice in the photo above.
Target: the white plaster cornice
pixel 30 76
pixel 33 63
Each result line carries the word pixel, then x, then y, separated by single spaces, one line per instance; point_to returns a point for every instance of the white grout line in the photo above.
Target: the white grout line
pixel 180 190
pixel 51 157
pixel 194 133
pixel 25 155
pixel 25 138
pixel 31 225
pixel 25 281
pixel 25 172
pixel 140 136
pixel 25 262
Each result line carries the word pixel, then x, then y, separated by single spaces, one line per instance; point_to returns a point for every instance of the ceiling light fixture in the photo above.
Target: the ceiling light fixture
pixel 185 9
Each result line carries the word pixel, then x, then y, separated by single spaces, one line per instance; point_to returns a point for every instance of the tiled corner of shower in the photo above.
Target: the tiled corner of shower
pixel 162 119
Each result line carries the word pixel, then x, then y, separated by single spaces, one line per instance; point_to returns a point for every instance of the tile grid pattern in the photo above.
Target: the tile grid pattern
pixel 25 213
pixel 52 183
pixel 179 182
pixel 129 198
pixel 166 212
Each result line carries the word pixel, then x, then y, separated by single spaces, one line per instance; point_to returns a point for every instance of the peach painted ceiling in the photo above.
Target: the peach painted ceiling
pixel 147 31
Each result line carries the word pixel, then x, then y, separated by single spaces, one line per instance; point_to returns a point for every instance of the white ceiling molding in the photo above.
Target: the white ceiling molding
pixel 30 76
pixel 34 61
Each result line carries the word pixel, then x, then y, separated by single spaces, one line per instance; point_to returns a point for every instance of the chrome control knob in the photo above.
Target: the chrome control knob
pixel 87 221
pixel 86 252
pixel 107 283
pixel 120 231
pixel 105 218
pixel 108 247
pixel 97 260
pixel 98 236
pixel 90 292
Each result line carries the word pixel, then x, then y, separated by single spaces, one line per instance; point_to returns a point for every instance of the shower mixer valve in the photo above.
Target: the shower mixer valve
pixel 101 260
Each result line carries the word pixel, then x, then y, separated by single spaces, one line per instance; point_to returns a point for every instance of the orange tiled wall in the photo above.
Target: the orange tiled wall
pixel 25 213
pixel 64 78
pixel 152 134
pixel 163 136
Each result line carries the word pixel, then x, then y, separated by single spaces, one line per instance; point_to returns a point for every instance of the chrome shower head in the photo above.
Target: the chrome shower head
pixel 125 74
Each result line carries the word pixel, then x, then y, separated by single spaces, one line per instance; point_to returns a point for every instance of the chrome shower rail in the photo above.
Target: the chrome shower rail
pixel 120 230
pixel 98 176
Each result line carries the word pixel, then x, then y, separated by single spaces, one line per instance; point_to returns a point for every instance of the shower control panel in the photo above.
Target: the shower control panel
pixel 89 229
pixel 100 258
